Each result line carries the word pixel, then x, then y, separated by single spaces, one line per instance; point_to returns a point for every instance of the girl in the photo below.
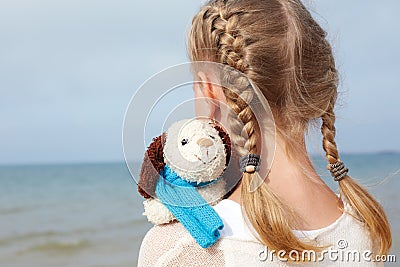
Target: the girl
pixel 284 52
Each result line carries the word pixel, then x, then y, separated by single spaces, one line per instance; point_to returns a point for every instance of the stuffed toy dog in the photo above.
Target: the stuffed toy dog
pixel 194 151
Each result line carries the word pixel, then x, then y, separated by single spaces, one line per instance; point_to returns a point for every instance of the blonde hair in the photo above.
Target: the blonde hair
pixel 282 49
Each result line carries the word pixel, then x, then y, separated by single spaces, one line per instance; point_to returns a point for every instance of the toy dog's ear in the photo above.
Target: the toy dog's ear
pixel 153 163
pixel 227 142
pixel 232 174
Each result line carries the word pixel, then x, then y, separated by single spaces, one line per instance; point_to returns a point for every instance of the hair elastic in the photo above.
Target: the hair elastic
pixel 338 171
pixel 249 163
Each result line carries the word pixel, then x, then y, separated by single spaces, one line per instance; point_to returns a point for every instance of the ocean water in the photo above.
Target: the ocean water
pixel 91 215
pixel 69 215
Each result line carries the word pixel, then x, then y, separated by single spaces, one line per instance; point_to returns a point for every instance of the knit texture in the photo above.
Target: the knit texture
pixel 171 245
pixel 189 208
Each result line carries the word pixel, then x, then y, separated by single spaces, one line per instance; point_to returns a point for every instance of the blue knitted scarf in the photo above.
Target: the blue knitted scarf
pixel 189 207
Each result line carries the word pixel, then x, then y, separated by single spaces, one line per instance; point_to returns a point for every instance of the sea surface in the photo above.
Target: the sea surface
pixel 91 214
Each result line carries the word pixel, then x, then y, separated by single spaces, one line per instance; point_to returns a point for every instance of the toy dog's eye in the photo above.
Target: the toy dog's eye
pixel 212 137
pixel 184 141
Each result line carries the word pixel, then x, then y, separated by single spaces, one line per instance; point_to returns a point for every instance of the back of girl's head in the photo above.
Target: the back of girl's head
pixel 280 47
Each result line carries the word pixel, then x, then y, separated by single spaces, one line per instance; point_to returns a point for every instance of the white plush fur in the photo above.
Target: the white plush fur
pixel 156 212
pixel 192 162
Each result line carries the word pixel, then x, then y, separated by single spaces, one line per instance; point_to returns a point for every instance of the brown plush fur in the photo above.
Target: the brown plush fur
pixel 227 142
pixel 153 163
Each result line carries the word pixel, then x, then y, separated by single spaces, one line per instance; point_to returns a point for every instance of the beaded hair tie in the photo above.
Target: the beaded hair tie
pixel 250 163
pixel 338 171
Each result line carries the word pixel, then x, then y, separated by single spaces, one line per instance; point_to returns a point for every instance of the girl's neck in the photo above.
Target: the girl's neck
pixel 287 170
pixel 294 180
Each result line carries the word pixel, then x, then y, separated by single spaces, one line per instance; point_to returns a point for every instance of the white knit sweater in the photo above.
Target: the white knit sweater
pixel 172 245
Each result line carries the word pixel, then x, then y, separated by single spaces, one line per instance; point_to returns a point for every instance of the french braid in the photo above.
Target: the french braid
pixel 231 50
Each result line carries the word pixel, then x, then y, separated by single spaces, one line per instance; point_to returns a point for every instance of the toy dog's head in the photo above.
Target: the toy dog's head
pixel 196 150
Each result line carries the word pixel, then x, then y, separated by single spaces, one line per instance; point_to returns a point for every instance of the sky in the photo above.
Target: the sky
pixel 68 70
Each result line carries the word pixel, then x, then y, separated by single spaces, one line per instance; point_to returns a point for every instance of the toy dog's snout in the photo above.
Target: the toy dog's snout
pixel 205 142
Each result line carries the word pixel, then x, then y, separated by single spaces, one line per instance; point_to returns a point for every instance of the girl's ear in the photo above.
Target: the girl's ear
pixel 211 89
pixel 209 96
pixel 152 165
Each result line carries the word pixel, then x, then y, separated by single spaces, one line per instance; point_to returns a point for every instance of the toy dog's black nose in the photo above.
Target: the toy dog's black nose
pixel 205 142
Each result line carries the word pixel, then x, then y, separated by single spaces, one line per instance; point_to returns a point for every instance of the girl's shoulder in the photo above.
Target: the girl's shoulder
pixel 346 226
pixel 158 241
pixel 171 245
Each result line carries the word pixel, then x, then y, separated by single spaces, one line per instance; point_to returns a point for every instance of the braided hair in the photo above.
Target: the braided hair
pixel 278 46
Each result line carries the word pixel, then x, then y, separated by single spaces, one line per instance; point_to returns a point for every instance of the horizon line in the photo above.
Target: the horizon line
pixel 121 161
